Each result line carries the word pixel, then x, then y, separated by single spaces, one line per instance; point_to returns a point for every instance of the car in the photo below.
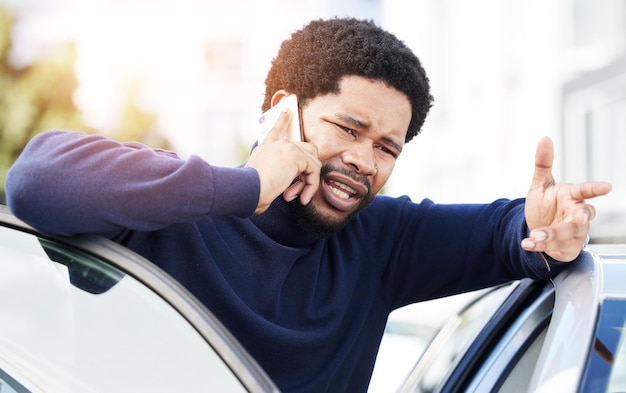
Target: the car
pixel 84 314
pixel 562 335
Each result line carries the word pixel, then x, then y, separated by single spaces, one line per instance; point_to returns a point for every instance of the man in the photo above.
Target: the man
pixel 305 272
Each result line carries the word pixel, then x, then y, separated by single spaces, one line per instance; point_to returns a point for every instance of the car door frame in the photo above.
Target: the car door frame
pixel 238 360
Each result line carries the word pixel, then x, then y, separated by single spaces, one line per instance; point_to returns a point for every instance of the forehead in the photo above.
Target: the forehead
pixel 371 103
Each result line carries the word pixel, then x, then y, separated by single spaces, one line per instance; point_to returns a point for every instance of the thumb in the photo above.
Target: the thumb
pixel 544 159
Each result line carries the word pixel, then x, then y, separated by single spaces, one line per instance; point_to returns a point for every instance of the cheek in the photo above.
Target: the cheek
pixel 326 147
pixel 321 135
pixel 381 178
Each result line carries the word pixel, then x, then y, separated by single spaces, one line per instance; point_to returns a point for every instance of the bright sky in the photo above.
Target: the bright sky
pixel 161 45
pixel 490 66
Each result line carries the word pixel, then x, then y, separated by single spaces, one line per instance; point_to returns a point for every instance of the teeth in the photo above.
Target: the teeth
pixel 340 193
pixel 341 190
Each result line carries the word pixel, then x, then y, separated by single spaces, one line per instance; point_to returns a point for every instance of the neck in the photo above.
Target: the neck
pixel 280 223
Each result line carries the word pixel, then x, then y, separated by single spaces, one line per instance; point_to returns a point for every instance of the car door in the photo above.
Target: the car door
pixel 477 350
pixel 87 315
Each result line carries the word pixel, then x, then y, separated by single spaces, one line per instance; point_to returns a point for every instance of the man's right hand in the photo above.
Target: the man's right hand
pixel 279 162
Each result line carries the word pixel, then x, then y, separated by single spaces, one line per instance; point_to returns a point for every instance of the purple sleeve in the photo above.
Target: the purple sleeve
pixel 67 183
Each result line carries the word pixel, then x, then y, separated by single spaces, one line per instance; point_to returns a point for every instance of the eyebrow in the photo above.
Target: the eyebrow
pixel 361 124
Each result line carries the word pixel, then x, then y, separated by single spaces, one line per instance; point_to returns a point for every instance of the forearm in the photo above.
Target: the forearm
pixel 67 183
pixel 448 249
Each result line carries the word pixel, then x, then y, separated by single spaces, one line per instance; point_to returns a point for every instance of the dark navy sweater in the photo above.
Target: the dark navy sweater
pixel 311 311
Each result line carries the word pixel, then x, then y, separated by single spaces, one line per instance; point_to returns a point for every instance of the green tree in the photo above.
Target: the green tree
pixel 39 97
pixel 33 98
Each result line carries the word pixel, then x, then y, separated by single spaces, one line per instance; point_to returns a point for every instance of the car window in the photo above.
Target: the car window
pixel 512 354
pixel 452 341
pixel 10 385
pixel 606 370
pixel 71 322
pixel 521 372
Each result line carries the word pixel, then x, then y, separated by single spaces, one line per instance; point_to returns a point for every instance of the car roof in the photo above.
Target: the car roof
pixel 599 273
pixel 562 314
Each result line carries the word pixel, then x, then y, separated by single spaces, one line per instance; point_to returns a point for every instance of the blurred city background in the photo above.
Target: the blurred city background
pixel 188 75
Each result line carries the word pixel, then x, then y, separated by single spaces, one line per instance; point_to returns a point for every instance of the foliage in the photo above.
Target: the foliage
pixel 39 97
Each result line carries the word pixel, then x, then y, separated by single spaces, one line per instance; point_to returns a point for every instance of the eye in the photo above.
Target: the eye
pixel 347 130
pixel 386 150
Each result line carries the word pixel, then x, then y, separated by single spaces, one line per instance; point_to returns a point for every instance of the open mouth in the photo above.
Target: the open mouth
pixel 341 190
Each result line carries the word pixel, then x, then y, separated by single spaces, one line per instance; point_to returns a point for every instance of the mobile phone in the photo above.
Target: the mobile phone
pixel 269 118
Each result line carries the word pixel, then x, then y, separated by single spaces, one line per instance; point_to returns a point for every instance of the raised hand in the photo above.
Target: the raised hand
pixel 557 213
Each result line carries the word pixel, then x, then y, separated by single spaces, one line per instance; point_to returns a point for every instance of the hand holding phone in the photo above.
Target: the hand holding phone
pixel 278 164
pixel 269 118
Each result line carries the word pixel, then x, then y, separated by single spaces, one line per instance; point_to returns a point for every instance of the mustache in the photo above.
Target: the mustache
pixel 328 168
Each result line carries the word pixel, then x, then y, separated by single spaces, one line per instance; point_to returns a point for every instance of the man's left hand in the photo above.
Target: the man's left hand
pixel 557 213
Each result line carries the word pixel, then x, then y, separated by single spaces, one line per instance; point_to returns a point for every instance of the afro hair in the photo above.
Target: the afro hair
pixel 317 57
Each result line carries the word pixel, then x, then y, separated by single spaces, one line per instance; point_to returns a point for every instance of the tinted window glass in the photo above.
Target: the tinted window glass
pixel 514 348
pixel 521 374
pixel 606 371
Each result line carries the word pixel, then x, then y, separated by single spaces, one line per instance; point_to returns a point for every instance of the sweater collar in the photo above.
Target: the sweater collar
pixel 280 223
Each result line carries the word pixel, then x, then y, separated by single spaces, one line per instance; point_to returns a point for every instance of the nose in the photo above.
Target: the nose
pixel 360 156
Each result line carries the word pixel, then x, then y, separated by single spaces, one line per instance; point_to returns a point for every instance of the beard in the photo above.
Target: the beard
pixel 312 221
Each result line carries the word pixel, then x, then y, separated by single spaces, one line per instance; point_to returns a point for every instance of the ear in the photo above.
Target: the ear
pixel 279 95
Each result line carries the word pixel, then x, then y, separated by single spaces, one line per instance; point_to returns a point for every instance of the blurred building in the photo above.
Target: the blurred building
pixel 503 73
pixel 594 141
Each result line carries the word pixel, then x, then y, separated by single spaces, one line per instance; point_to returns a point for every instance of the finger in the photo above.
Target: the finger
pixel 588 190
pixel 582 213
pixel 293 191
pixel 565 240
pixel 305 189
pixel 311 184
pixel 544 159
pixel 309 149
pixel 308 177
pixel 281 127
pixel 564 250
pixel 576 225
